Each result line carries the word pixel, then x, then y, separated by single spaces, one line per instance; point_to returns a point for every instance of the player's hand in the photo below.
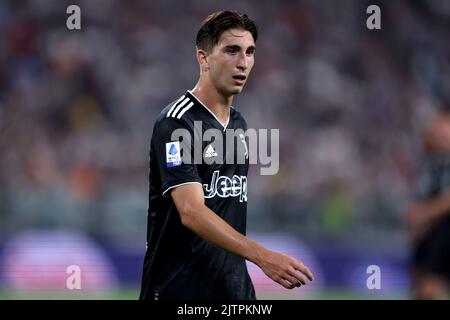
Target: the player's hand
pixel 285 270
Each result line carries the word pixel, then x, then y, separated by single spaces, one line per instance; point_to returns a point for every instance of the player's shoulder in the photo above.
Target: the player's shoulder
pixel 178 108
pixel 177 111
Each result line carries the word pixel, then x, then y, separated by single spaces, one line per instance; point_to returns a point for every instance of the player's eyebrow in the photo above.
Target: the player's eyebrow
pixel 232 47
pixel 238 48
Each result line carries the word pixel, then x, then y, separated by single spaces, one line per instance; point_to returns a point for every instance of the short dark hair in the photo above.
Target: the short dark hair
pixel 217 23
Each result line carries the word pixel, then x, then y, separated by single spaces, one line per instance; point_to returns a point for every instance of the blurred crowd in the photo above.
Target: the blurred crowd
pixel 77 109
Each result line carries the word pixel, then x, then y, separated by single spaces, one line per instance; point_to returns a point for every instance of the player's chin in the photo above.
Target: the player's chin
pixel 236 89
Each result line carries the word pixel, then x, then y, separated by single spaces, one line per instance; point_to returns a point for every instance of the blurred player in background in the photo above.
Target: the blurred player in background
pixel 428 219
pixel 196 244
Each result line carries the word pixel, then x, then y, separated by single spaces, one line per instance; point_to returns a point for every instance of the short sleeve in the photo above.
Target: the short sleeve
pixel 171 139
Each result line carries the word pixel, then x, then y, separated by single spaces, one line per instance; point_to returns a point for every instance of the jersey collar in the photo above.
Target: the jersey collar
pixel 224 126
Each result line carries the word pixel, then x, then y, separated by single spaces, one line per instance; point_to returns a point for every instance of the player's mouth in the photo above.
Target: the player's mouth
pixel 240 79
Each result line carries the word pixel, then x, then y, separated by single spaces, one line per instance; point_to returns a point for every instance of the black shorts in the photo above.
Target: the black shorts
pixel 432 253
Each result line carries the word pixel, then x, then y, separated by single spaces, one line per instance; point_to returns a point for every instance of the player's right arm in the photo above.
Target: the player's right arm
pixel 196 216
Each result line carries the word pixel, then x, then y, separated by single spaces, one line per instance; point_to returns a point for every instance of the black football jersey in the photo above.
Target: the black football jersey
pixel 179 264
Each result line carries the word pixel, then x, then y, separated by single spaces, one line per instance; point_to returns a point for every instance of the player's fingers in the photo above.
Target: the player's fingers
pixel 287 284
pixel 293 280
pixel 284 283
pixel 297 275
pixel 308 273
pixel 304 269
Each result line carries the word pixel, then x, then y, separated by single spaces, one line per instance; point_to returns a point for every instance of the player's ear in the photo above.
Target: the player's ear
pixel 202 58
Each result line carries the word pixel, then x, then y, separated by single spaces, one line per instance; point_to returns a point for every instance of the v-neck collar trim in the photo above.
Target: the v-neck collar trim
pixel 212 113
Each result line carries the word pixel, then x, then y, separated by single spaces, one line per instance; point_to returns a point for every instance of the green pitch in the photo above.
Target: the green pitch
pixel 133 294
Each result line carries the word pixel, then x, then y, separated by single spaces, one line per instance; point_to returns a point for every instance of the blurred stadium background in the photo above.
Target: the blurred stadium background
pixel 77 109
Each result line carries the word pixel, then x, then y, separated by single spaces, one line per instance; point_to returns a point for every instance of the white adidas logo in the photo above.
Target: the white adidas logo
pixel 210 152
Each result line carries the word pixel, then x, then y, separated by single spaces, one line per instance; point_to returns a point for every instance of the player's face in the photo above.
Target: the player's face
pixel 231 61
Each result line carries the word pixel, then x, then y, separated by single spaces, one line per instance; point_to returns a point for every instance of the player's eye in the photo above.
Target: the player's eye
pixel 232 50
pixel 250 51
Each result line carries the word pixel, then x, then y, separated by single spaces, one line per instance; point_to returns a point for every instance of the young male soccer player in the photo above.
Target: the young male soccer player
pixel 196 243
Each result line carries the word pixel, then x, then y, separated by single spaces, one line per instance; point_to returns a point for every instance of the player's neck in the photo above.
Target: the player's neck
pixel 216 102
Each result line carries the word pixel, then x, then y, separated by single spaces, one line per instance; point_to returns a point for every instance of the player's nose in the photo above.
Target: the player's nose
pixel 242 63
